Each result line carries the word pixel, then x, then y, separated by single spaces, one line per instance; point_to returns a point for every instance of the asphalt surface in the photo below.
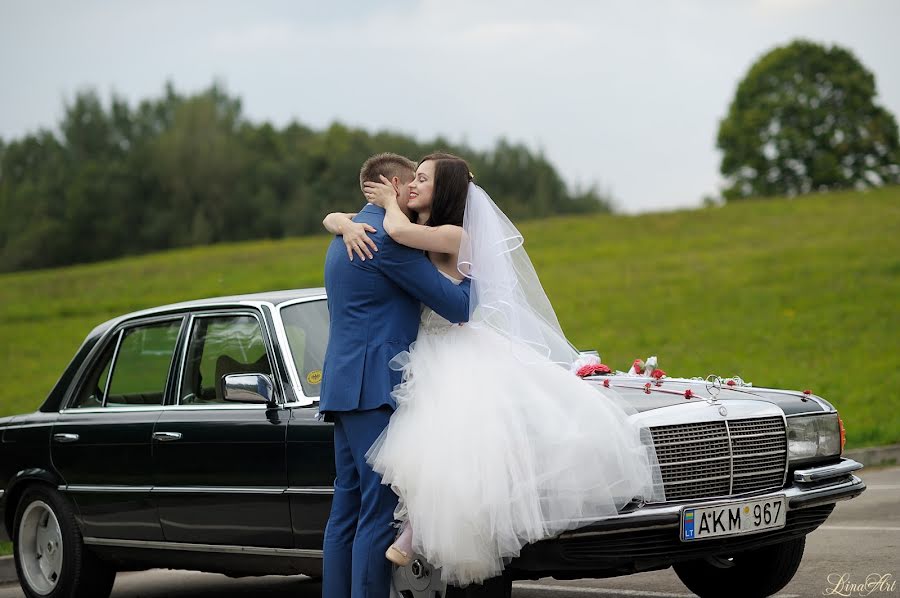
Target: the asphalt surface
pixel 860 542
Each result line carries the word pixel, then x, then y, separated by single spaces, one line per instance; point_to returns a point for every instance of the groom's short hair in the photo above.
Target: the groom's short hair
pixel 389 165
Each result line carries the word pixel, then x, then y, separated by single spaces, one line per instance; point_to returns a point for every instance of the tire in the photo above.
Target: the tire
pixel 753 574
pixel 420 580
pixel 496 587
pixel 51 560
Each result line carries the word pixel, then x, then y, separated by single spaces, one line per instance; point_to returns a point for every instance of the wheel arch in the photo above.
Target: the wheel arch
pixel 20 482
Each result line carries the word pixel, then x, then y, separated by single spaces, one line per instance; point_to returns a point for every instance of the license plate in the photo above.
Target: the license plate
pixel 732 518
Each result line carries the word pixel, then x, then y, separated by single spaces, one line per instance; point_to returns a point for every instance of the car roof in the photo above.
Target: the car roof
pixel 274 298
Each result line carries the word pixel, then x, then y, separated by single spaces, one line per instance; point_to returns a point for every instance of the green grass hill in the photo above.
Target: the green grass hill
pixel 797 293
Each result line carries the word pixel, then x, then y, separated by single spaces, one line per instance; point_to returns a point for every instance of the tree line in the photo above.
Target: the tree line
pixel 182 170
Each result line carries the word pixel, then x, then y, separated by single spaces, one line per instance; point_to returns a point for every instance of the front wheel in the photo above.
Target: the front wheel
pixel 498 587
pixel 51 560
pixel 752 574
pixel 420 580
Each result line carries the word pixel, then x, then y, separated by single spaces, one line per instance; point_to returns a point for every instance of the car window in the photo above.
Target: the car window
pixel 306 326
pixel 218 346
pixel 91 392
pixel 142 365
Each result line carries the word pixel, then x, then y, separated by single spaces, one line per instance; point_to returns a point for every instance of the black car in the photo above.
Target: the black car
pixel 187 437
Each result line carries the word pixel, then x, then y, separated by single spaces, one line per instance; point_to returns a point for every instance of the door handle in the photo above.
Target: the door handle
pixel 65 437
pixel 166 436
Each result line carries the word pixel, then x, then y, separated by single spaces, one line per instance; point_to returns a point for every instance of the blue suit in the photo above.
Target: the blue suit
pixel 374 308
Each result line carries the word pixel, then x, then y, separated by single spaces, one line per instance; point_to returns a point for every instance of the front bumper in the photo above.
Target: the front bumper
pixel 648 537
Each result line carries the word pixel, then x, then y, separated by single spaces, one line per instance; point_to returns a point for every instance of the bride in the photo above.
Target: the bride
pixel 494 443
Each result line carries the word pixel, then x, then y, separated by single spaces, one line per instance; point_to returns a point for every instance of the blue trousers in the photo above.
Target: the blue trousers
pixel 359 528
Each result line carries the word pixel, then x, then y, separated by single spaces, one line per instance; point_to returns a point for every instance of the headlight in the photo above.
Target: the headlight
pixel 813 436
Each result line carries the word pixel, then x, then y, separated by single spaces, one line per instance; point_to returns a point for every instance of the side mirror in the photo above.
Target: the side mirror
pixel 249 388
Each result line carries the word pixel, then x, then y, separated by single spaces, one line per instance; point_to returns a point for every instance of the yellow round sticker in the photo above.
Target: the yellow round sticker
pixel 314 377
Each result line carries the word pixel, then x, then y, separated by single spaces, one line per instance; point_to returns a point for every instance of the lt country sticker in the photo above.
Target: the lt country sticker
pixel 689 525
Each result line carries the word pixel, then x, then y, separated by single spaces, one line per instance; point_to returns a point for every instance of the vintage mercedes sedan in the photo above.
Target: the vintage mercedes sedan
pixel 187 437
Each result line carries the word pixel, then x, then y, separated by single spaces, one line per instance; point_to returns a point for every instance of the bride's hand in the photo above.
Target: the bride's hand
pixel 380 193
pixel 356 239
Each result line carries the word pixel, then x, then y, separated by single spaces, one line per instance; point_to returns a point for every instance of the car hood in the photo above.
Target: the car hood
pixel 671 391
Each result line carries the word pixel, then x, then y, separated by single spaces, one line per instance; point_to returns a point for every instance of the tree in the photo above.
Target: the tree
pixel 197 163
pixel 805 119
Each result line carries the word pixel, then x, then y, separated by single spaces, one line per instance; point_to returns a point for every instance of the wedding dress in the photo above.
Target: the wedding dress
pixel 493 445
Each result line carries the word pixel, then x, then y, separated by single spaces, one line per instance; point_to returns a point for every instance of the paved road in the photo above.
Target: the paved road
pixel 861 538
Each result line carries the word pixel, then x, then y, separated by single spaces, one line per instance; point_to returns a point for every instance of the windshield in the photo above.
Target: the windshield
pixel 306 326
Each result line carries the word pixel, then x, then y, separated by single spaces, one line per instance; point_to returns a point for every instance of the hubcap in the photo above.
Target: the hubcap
pixel 40 547
pixel 418 580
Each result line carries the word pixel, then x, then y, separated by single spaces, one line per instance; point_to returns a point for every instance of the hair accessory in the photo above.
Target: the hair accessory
pixel 471 176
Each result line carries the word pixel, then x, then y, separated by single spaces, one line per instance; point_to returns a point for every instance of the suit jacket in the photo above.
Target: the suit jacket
pixel 374 308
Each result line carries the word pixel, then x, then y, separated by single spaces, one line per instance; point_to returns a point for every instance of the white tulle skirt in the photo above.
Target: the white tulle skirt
pixel 489 452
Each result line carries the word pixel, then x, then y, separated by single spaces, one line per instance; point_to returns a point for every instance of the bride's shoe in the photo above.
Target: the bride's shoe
pixel 400 552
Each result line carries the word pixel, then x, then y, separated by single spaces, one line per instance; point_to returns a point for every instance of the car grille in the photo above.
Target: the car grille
pixel 721 458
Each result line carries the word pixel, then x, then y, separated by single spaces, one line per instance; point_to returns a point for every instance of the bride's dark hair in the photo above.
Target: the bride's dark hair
pixel 451 185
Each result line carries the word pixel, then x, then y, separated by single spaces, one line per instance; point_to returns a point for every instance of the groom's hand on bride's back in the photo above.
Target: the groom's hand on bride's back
pixel 413 272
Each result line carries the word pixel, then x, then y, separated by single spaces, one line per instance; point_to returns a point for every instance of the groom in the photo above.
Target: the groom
pixel 374 307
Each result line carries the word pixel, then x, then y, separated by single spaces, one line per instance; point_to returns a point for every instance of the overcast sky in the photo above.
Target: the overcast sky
pixel 626 94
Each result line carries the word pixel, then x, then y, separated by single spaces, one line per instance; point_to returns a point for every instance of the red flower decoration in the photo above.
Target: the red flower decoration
pixel 688 393
pixel 657 374
pixel 647 388
pixel 592 369
pixel 731 382
pixel 638 366
pixel 606 383
pixel 807 392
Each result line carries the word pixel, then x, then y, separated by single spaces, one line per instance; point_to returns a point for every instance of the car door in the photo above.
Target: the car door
pixel 220 466
pixel 101 442
pixel 310 447
pixel 311 478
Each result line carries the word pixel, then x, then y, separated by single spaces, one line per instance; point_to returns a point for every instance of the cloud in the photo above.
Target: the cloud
pixel 501 33
pixel 787 7
pixel 256 38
